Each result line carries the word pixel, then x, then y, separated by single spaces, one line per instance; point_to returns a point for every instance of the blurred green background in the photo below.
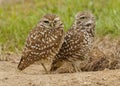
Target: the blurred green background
pixel 18 17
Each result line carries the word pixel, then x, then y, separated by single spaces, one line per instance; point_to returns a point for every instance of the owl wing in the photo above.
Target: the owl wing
pixel 72 45
pixel 35 39
pixel 41 41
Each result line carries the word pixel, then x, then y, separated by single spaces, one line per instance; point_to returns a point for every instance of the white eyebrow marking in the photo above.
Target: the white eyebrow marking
pixel 57 18
pixel 46 19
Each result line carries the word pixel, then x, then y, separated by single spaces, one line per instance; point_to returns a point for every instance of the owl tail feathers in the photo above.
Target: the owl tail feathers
pixel 24 62
pixel 20 65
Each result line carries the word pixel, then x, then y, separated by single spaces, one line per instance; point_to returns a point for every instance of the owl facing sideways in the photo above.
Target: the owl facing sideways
pixel 77 42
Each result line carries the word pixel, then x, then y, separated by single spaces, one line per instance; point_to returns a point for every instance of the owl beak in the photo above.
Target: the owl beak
pixel 89 22
pixel 51 24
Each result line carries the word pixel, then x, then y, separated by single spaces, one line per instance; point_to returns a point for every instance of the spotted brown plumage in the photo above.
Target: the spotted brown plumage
pixel 78 41
pixel 43 42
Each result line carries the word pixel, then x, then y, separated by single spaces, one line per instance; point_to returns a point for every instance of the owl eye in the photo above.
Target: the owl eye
pixel 55 21
pixel 89 24
pixel 46 22
pixel 82 17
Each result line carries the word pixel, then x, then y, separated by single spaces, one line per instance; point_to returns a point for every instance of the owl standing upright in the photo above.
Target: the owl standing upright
pixel 77 42
pixel 43 42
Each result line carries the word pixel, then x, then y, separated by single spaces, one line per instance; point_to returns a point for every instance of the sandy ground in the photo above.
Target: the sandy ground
pixel 35 76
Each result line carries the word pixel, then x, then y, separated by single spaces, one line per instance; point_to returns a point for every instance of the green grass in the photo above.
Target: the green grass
pixel 18 18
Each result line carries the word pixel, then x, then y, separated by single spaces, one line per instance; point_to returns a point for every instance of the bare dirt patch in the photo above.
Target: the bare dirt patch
pixel 34 76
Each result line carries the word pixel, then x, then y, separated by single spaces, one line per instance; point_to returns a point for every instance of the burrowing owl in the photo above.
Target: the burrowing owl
pixel 43 42
pixel 78 40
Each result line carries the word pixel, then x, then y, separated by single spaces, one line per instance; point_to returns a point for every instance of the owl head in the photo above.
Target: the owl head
pixel 86 21
pixel 51 21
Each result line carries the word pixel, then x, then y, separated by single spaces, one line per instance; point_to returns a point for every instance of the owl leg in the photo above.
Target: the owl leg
pixel 75 68
pixel 44 68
